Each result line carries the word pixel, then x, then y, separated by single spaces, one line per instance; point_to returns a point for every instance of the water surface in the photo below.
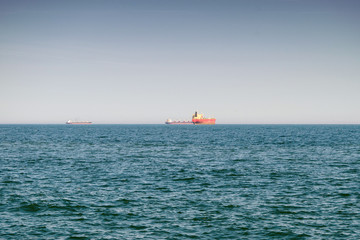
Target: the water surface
pixel 180 182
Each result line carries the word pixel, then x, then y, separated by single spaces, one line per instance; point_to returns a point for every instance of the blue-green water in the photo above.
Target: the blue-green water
pixel 180 182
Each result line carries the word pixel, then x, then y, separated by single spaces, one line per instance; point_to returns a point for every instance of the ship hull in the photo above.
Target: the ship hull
pixel 78 122
pixel 179 123
pixel 204 121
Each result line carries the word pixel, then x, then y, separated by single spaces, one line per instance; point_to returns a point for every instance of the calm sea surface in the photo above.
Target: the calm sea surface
pixel 180 182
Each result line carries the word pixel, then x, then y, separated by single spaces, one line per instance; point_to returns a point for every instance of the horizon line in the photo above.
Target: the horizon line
pixel 189 124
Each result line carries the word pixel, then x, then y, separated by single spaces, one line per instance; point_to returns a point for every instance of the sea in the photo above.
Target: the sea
pixel 179 182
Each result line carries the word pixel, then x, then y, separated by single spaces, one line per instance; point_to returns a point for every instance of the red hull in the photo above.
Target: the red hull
pixel 204 121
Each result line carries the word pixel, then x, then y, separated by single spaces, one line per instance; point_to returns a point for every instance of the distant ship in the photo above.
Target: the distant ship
pixel 198 118
pixel 169 121
pixel 78 122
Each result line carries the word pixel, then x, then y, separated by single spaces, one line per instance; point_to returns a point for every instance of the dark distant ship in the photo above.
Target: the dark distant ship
pixel 78 122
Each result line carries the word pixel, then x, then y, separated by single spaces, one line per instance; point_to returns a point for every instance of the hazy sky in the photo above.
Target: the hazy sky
pixel 241 61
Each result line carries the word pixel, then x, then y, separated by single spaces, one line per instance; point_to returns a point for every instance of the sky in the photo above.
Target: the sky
pixel 143 61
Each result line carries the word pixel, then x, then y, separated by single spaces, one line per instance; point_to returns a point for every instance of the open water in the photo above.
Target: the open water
pixel 180 182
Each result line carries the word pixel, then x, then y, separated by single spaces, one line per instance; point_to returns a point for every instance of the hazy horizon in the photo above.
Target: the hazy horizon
pixel 143 61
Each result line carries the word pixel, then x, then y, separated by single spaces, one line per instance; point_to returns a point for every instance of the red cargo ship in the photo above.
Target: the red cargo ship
pixel 198 118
